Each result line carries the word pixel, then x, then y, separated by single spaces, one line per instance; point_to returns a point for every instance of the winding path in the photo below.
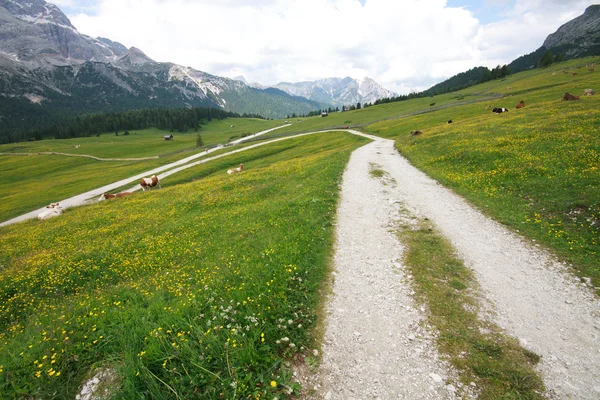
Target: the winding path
pixel 529 294
pixel 374 344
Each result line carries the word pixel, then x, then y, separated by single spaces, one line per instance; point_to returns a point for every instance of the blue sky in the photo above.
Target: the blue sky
pixel 403 44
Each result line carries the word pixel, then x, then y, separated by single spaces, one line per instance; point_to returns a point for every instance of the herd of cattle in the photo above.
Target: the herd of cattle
pixel 54 209
pixel 499 110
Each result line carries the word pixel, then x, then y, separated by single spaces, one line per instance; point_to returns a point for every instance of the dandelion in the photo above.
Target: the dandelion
pixel 273 384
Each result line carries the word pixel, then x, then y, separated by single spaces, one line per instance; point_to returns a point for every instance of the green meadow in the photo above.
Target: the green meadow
pixel 31 182
pixel 147 142
pixel 211 287
pixel 535 170
pixel 199 290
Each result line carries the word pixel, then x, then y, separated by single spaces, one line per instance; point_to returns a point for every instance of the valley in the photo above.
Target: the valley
pixel 439 244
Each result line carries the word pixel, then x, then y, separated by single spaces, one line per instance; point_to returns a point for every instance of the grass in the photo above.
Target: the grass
pixel 534 170
pixel 200 290
pixel 481 352
pixel 147 142
pixel 31 182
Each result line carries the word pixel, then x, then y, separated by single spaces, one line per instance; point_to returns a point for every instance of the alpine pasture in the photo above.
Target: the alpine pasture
pixel 197 290
pixel 30 182
pixel 211 287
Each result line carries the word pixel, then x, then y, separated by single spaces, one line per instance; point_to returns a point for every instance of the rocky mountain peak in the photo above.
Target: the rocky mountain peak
pixel 134 57
pixel 579 35
pixel 36 12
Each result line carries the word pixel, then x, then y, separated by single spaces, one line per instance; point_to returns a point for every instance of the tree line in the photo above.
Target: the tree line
pixel 180 120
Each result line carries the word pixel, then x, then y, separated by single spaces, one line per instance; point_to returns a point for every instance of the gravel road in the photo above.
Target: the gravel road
pixel 527 292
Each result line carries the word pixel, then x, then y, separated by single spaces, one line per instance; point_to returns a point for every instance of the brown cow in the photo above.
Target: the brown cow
pixel 569 96
pixel 589 92
pixel 415 133
pixel 520 105
pixel 149 183
pixel 236 170
pixel 112 196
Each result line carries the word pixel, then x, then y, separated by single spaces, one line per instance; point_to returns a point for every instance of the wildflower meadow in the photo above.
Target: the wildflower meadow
pixel 208 289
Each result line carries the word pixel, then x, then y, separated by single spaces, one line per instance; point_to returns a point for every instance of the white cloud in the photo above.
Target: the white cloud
pixel 409 44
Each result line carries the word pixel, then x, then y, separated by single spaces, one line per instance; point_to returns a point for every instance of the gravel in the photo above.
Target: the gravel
pixel 526 291
pixel 375 345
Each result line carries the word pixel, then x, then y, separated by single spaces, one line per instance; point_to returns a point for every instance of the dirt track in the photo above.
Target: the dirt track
pixel 529 294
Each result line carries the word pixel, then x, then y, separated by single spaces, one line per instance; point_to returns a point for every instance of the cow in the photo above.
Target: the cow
pixel 149 183
pixel 520 105
pixel 52 210
pixel 449 121
pixel 569 96
pixel 235 170
pixel 415 133
pixel 499 110
pixel 108 196
pixel 589 92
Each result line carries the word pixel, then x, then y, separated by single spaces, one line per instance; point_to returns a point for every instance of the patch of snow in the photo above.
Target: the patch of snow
pixel 34 98
pixel 179 73
pixel 12 56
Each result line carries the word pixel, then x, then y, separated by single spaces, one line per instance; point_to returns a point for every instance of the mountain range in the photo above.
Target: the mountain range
pixel 335 92
pixel 49 71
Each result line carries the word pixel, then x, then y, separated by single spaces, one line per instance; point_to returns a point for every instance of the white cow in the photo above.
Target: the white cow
pixel 53 210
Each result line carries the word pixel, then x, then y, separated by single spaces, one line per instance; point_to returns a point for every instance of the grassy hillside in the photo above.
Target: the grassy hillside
pixel 195 291
pixel 535 169
pixel 30 182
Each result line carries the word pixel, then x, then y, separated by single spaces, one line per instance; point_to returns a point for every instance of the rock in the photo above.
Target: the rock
pixel 328 396
pixel 451 388
pixel 411 337
pixel 436 378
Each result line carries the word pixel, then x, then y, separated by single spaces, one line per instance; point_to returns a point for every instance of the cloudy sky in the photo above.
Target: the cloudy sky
pixel 402 44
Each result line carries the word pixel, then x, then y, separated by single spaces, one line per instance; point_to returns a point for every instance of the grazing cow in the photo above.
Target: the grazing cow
pixel 415 133
pixel 235 170
pixel 499 110
pixel 449 121
pixel 520 105
pixel 52 210
pixel 569 96
pixel 574 73
pixel 108 196
pixel 149 183
pixel 589 92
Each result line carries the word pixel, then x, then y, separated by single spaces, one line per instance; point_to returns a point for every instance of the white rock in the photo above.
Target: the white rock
pixel 328 396
pixel 436 378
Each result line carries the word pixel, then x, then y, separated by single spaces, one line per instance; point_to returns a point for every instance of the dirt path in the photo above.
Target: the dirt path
pixel 374 346
pixel 55 153
pixel 529 294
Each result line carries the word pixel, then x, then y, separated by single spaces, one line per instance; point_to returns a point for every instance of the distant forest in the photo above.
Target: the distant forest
pixel 180 120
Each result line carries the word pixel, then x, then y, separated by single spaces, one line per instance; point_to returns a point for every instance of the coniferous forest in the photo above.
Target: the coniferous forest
pixel 179 120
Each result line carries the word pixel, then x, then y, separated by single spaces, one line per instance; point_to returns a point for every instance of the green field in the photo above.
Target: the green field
pixel 535 169
pixel 31 182
pixel 147 142
pixel 199 289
